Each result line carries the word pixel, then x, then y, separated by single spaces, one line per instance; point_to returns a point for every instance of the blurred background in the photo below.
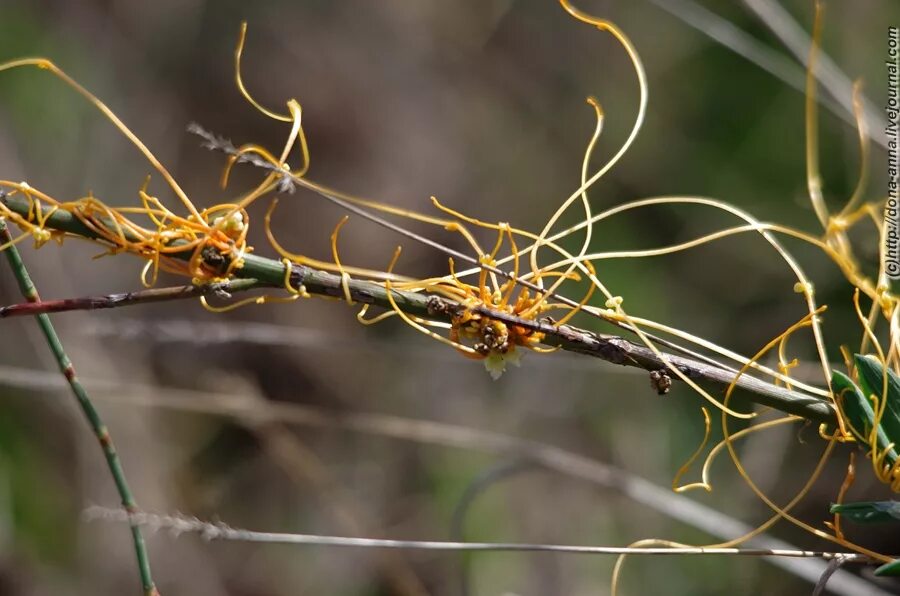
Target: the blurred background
pixel 295 418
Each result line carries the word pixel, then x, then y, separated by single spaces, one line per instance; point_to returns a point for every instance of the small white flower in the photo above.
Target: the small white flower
pixel 614 302
pixel 804 288
pixel 40 236
pixel 232 225
pixel 495 363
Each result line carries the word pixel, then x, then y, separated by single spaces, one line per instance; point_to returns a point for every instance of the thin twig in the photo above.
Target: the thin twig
pixel 798 42
pixel 775 63
pixel 179 524
pixel 833 566
pixel 614 349
pixel 87 407
pixel 221 289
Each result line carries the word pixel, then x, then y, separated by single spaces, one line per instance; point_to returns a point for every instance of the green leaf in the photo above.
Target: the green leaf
pixel 869 512
pixel 892 568
pixel 858 411
pixel 854 404
pixel 872 381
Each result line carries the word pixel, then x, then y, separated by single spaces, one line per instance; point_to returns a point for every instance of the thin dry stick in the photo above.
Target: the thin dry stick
pixel 748 47
pixel 834 566
pixel 614 349
pixel 220 289
pixel 178 524
pixel 87 407
pixel 798 42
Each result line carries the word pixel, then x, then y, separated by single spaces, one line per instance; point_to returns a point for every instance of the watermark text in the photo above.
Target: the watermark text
pixel 892 110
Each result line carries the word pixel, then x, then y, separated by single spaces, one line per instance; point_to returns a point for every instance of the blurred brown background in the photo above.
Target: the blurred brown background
pixel 480 103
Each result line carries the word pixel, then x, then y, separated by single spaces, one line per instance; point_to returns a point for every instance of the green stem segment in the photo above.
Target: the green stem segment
pixel 87 407
pixel 271 273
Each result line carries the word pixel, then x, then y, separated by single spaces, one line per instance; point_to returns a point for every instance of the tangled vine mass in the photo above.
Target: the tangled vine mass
pixel 525 275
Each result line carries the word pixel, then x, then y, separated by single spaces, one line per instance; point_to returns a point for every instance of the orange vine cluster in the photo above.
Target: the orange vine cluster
pixel 215 238
pixel 210 244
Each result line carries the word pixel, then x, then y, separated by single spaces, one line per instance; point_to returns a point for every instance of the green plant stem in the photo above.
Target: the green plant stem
pixel 614 349
pixel 87 407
